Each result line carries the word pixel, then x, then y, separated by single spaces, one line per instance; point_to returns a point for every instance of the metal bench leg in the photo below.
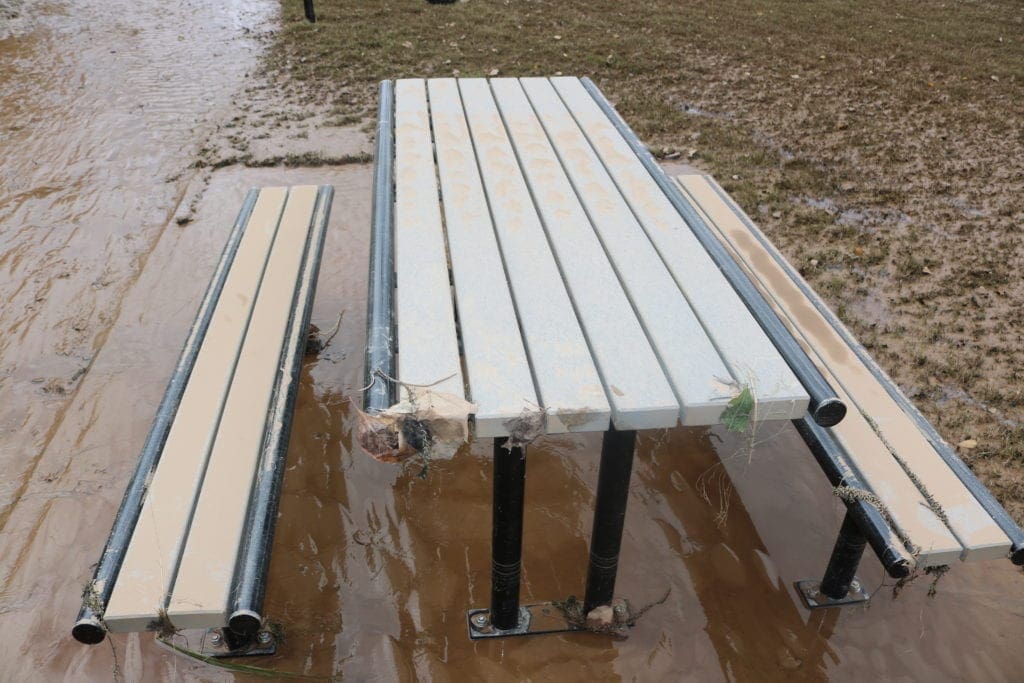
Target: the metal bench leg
pixel 840 585
pixel 609 516
pixel 507 534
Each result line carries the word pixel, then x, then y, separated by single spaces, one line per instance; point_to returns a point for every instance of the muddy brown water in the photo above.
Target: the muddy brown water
pixel 102 106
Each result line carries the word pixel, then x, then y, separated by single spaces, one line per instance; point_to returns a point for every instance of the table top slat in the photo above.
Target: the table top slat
pixel 428 348
pixel 688 356
pixel 497 368
pixel 751 357
pixel 980 536
pixel 567 381
pixel 635 383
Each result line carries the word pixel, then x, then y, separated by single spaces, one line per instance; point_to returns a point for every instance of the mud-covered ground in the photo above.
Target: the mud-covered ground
pixel 130 132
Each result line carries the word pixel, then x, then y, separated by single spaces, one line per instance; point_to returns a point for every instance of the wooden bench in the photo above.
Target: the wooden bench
pixel 190 545
pixel 934 503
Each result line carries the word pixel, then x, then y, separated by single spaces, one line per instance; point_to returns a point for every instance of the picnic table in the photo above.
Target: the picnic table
pixel 530 256
pixel 531 261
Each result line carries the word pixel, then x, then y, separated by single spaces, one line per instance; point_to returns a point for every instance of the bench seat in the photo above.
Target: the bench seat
pixel 210 496
pixel 883 443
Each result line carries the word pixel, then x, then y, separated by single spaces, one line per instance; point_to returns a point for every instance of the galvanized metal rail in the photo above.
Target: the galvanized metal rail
pixel 380 314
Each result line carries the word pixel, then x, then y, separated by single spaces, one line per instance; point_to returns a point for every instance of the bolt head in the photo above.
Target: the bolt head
pixel 264 637
pixel 855 585
pixel 216 639
pixel 619 609
pixel 479 620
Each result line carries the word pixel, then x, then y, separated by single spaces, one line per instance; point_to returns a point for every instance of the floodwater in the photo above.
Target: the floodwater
pixel 102 107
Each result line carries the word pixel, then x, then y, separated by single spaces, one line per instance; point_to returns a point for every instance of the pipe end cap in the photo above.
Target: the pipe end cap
pixel 829 412
pixel 89 631
pixel 245 622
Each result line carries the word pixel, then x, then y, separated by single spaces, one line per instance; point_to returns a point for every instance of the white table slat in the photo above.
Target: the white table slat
pixel 690 360
pixel 201 594
pixel 743 345
pixel 152 557
pixel 428 349
pixel 635 383
pixel 980 536
pixel 500 383
pixel 566 379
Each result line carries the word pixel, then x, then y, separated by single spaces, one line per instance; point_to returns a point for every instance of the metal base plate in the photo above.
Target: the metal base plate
pixel 810 592
pixel 219 643
pixel 537 619
pixel 213 643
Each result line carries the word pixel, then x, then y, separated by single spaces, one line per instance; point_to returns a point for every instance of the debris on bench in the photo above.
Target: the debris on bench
pixel 427 422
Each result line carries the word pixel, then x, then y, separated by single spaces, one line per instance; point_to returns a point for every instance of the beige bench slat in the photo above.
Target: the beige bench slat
pixel 428 349
pixel 640 395
pixel 153 552
pixel 202 588
pixel 500 383
pixel 743 345
pixel 567 381
pixel 979 535
pixel 691 361
pixel 877 468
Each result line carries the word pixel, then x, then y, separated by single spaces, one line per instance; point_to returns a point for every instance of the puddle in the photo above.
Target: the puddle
pixel 373 568
pixel 865 219
pixel 694 110
pixel 953 393
pixel 870 219
pixel 825 204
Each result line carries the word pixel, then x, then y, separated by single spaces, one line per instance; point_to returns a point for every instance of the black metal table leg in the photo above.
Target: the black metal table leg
pixel 839 585
pixel 609 516
pixel 506 617
pixel 507 533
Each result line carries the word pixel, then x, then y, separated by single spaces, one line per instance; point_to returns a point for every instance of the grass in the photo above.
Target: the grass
pixel 880 144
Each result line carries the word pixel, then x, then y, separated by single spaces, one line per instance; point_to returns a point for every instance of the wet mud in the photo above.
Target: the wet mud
pixel 373 566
